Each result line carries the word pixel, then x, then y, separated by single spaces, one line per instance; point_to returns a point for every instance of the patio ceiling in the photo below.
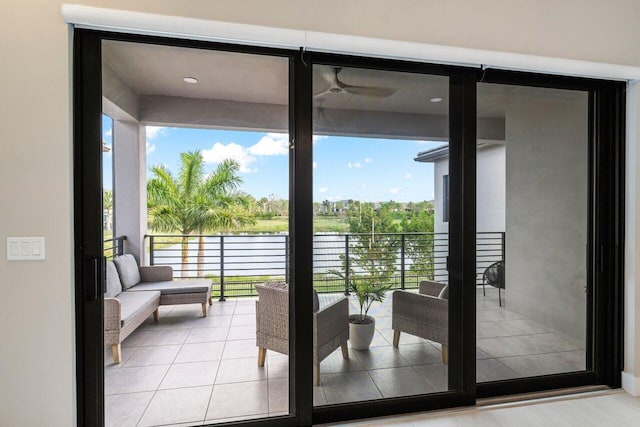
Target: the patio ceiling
pixel 250 92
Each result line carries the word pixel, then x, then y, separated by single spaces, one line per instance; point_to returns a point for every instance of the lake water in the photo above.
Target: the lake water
pixel 253 255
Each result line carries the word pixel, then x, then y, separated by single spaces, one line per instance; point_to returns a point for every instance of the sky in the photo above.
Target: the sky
pixel 366 169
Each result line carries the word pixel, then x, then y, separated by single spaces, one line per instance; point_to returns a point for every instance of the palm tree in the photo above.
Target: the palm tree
pixel 107 205
pixel 195 203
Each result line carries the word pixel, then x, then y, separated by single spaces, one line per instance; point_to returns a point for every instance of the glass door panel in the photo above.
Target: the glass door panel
pixel 381 234
pixel 200 152
pixel 532 224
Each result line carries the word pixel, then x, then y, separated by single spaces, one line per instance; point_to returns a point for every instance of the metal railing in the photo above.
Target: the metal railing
pixel 114 247
pixel 236 263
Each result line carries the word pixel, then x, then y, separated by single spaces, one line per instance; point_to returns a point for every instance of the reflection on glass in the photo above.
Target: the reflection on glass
pixel 199 334
pixel 532 203
pixel 380 242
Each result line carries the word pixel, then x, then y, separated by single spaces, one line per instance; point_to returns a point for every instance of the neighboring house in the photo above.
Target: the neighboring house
pixel 491 186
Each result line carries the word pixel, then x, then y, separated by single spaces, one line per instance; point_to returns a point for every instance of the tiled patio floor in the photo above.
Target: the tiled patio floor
pixel 188 369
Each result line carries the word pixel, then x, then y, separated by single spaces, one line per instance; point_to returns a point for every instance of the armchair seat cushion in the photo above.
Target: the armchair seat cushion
pixel 135 303
pixel 174 287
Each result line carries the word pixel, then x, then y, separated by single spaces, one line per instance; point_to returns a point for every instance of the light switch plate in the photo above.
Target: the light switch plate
pixel 25 248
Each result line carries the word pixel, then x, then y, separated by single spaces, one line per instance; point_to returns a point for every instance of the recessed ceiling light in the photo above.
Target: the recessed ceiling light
pixel 191 80
pixel 436 100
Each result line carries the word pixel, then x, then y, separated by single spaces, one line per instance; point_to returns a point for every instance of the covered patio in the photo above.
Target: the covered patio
pixel 186 369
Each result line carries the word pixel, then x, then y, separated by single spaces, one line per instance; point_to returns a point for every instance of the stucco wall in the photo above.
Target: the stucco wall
pixel 440 169
pixel 37 372
pixel 490 190
pixel 546 208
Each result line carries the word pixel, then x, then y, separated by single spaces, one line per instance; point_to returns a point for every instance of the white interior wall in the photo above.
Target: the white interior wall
pixel 631 374
pixel 37 370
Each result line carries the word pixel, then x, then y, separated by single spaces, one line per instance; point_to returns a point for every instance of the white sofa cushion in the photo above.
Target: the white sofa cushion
pixel 134 303
pixel 175 287
pixel 128 270
pixel 114 287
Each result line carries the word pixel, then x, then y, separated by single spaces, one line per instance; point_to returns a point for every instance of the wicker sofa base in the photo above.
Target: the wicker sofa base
pixel 193 298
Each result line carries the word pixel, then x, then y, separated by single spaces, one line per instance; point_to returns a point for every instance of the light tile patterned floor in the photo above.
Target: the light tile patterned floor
pixel 597 409
pixel 186 369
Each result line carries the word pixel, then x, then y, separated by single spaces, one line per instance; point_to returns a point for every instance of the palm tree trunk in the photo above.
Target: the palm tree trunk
pixel 201 255
pixel 185 256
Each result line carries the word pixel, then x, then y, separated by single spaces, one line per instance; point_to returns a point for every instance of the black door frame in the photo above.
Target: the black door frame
pixel 605 255
pixel 605 246
pixel 461 260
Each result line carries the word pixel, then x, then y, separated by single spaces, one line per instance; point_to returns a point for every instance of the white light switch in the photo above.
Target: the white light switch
pixel 25 248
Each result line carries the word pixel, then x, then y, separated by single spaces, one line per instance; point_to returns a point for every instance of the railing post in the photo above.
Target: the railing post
pixel 503 248
pixel 151 251
pixel 346 265
pixel 222 298
pixel 286 258
pixel 402 277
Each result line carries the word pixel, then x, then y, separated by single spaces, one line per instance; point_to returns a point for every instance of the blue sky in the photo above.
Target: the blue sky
pixel 367 169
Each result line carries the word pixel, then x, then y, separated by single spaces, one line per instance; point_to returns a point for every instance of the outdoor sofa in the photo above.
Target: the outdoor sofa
pixel 133 293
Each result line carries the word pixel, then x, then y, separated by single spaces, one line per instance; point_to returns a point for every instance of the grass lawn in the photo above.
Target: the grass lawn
pixel 321 224
pixel 242 286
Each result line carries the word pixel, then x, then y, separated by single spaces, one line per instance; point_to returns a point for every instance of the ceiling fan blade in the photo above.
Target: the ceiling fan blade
pixel 331 79
pixel 322 92
pixel 378 92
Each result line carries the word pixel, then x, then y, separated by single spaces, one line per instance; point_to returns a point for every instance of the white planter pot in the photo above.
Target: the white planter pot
pixel 361 334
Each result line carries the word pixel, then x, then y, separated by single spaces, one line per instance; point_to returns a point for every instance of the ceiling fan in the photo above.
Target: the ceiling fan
pixel 337 86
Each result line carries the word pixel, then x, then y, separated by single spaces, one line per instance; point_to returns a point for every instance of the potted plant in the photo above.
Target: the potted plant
pixel 368 290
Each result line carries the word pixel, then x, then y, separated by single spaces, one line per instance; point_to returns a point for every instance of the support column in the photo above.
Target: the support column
pixel 130 192
pixel 631 374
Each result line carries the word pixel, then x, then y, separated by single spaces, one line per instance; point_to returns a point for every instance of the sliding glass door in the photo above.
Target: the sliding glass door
pixel 380 239
pixel 373 236
pixel 533 227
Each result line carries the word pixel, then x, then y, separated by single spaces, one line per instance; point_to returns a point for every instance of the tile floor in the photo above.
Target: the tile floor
pixel 187 369
pixel 599 409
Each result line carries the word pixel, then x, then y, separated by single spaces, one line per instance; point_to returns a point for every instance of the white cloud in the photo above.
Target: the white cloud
pixel 394 191
pixel 330 198
pixel 358 164
pixel 272 144
pixel 154 131
pixel 109 132
pixel 315 165
pixel 323 189
pixel 150 148
pixel 363 186
pixel 237 152
pixel 317 138
pixel 407 176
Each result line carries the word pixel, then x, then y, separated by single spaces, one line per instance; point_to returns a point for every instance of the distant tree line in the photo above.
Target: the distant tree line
pixel 192 202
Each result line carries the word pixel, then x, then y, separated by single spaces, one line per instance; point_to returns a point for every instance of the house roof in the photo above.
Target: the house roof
pixel 442 152
pixel 433 154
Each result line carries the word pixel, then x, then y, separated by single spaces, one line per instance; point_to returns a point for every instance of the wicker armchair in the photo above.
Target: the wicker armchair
pixel 330 325
pixel 424 314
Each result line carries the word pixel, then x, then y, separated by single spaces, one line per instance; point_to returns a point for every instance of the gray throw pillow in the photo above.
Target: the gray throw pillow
pixel 114 287
pixel 128 270
pixel 444 293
